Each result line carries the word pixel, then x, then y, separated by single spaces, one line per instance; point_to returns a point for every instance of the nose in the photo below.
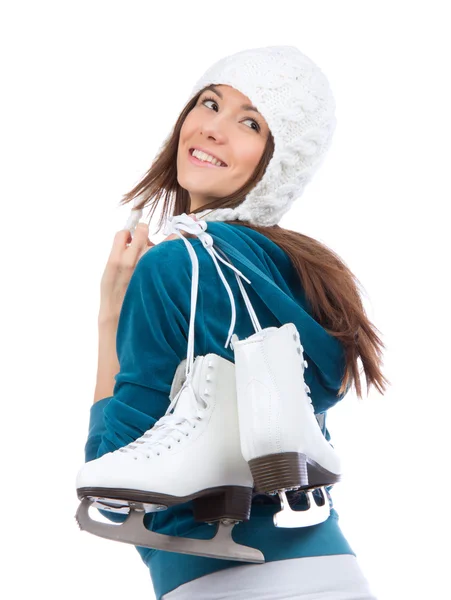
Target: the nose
pixel 215 129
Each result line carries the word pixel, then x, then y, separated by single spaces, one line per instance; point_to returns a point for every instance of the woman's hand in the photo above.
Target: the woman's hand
pixel 122 261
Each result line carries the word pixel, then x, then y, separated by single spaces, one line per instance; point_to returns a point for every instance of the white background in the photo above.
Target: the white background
pixel 89 91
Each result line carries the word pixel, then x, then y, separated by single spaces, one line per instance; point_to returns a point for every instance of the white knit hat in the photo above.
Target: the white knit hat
pixel 295 98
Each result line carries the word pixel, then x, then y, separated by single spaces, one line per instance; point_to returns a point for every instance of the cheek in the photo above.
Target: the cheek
pixel 186 132
pixel 189 126
pixel 249 158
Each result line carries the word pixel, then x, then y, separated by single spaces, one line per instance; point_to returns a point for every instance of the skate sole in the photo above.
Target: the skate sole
pixel 288 470
pixel 209 505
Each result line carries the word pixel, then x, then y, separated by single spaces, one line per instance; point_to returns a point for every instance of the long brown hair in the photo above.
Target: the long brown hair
pixel 329 285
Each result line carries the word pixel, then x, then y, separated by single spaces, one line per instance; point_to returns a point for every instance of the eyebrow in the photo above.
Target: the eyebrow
pixel 243 106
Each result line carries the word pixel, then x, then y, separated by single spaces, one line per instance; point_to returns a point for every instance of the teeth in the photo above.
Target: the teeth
pixel 206 157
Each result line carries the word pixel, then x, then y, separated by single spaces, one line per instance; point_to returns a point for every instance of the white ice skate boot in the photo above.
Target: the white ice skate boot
pixel 280 435
pixel 192 454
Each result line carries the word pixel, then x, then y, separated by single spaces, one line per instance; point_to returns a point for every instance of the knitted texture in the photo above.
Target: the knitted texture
pixel 295 98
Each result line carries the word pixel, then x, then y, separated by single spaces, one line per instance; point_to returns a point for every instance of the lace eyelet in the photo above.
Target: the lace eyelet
pixel 179 440
pixel 194 427
pixel 169 447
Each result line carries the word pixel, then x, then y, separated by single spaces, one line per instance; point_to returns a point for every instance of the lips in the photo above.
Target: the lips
pixel 191 153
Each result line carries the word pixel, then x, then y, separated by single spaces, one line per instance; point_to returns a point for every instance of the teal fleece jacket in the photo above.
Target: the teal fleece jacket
pixel 152 339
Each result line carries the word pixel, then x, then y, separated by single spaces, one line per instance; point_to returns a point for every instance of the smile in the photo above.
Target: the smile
pixel 202 163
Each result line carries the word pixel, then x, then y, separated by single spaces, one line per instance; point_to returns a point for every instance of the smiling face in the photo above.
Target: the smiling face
pixel 223 125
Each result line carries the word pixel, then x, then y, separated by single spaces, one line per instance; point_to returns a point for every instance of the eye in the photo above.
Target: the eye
pixel 248 119
pixel 209 100
pixel 255 123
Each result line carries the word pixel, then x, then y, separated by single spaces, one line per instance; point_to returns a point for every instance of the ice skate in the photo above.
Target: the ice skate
pixel 192 454
pixel 280 435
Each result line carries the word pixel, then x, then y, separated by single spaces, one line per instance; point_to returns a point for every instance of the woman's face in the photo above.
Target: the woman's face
pixel 223 128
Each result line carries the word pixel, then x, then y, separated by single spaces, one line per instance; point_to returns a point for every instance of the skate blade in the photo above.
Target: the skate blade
pixel 133 531
pixel 314 515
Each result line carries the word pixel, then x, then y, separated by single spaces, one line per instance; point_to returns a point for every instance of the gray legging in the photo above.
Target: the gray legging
pixel 337 577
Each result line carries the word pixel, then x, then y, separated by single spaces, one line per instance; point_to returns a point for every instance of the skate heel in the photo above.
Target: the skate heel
pixel 275 472
pixel 228 502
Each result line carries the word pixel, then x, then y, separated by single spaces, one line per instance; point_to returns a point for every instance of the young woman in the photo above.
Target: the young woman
pixel 256 127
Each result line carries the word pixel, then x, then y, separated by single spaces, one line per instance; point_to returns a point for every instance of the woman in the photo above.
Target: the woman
pixel 255 129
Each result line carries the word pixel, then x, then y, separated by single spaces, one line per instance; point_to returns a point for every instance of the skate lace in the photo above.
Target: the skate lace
pixel 198 228
pixel 170 426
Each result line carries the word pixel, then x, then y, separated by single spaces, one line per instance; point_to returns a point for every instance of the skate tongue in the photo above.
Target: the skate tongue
pixel 185 402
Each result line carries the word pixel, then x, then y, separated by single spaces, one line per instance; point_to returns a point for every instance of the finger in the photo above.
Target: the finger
pixel 121 239
pixel 140 240
pixel 145 249
pixel 124 241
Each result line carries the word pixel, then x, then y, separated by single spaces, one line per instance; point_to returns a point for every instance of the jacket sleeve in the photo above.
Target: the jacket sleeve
pixel 151 341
